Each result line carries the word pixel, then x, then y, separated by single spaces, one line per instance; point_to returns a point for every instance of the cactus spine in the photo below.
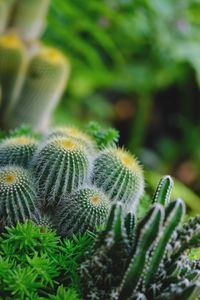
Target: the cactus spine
pixel 18 197
pixel 13 61
pixel 84 209
pixel 150 255
pixel 29 18
pixel 45 81
pixel 17 150
pixel 61 165
pixel 75 133
pixel 120 176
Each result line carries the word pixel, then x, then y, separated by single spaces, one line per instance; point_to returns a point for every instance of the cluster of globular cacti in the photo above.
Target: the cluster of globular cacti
pixel 63 180
pixel 73 192
pixel 147 258
pixel 32 75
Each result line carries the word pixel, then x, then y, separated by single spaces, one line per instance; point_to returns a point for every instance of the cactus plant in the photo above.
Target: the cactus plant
pixel 32 76
pixel 61 165
pixel 148 264
pixel 42 89
pixel 86 208
pixel 29 18
pixel 17 150
pixel 119 174
pixel 5 10
pixel 74 132
pixel 13 60
pixel 18 198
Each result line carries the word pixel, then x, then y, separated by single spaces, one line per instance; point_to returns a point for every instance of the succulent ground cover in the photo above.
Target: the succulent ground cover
pixel 70 228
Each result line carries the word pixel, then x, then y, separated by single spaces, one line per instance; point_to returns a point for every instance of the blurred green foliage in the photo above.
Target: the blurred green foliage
pixel 134 45
pixel 135 50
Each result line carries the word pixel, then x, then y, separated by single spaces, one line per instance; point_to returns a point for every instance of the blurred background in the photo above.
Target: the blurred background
pixel 135 65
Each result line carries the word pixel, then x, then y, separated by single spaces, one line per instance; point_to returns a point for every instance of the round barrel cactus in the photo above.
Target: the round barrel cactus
pixel 74 132
pixel 18 198
pixel 87 208
pixel 17 150
pixel 61 165
pixel 119 174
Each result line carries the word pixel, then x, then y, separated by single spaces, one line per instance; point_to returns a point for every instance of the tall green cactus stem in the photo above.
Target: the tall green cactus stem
pixel 111 245
pixel 173 217
pixel 29 19
pixel 5 10
pixel 163 192
pixel 145 261
pixel 73 132
pixel 146 235
pixel 44 84
pixel 17 151
pixel 13 61
pixel 61 165
pixel 84 209
pixel 120 176
pixel 18 197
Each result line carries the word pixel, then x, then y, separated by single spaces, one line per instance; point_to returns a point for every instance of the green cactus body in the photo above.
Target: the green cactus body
pixel 17 151
pixel 154 265
pixel 111 245
pixel 13 62
pixel 186 237
pixel 44 84
pixel 84 209
pixel 173 217
pixel 120 176
pixel 42 219
pixel 29 18
pixel 73 132
pixel 163 192
pixel 5 9
pixel 18 197
pixel 146 235
pixel 61 166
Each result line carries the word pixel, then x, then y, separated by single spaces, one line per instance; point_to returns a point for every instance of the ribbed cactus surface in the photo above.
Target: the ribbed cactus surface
pixel 17 151
pixel 13 60
pixel 144 260
pixel 18 197
pixel 119 174
pixel 44 84
pixel 75 133
pixel 87 208
pixel 61 165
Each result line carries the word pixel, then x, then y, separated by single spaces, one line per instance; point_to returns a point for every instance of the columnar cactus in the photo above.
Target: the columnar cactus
pixel 45 81
pixel 148 264
pixel 32 76
pixel 29 18
pixel 61 165
pixel 13 60
pixel 17 151
pixel 119 174
pixel 18 198
pixel 5 10
pixel 87 208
